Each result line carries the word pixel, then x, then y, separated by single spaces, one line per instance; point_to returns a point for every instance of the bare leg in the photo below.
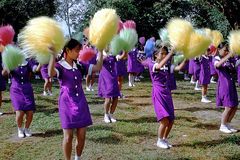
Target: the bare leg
pixel 168 129
pixel 161 130
pixel 204 90
pixel 225 115
pixel 29 117
pixel 107 105
pixel 232 114
pixel 67 143
pixel 114 105
pixel 80 141
pixel 19 118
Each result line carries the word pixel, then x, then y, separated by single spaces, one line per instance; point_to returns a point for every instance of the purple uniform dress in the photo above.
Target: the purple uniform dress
pixel 196 70
pixel 161 94
pixel 44 71
pixel 121 67
pixel 205 74
pixel 21 91
pixel 172 85
pixel 191 67
pixel 238 69
pixel 133 63
pixel 140 66
pixel 211 64
pixel 107 82
pixel 226 93
pixel 73 107
pixel 2 79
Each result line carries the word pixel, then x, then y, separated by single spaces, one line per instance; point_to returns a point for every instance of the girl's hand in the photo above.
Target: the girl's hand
pixel 52 50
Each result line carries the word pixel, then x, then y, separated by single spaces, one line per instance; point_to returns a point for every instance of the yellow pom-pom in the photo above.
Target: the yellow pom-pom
pixel 103 27
pixel 198 45
pixel 217 38
pixel 40 34
pixel 208 32
pixel 179 33
pixel 234 41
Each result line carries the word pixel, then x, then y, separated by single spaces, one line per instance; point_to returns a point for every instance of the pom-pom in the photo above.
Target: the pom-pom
pixel 212 49
pixel 86 54
pixel 117 45
pixel 6 35
pixel 103 27
pixel 149 47
pixel 142 40
pixel 12 57
pixel 40 34
pixel 120 26
pixel 159 43
pixel 234 41
pixel 217 38
pixel 130 36
pixel 179 32
pixel 129 24
pixel 198 44
pixel 178 59
pixel 208 32
pixel 163 33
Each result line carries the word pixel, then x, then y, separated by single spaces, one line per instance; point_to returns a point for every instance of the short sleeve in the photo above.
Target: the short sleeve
pixel 32 65
pixel 58 69
pixel 216 60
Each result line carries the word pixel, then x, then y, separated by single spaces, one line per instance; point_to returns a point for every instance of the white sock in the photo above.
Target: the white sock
pixel 77 157
pixel 196 86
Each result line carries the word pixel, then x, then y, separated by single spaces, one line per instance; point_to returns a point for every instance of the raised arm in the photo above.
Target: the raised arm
pixel 164 61
pixel 224 59
pixel 97 67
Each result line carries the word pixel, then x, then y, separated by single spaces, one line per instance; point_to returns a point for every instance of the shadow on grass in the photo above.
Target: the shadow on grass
pixel 207 126
pixel 195 109
pixel 207 144
pixel 140 120
pixel 100 127
pixel 187 119
pixel 49 133
pixel 112 139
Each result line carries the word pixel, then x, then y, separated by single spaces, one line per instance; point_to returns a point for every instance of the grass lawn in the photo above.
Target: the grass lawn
pixel 195 134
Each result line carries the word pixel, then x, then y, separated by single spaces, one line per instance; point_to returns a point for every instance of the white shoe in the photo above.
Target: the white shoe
pixel 92 89
pixel 180 72
pixel 28 132
pixel 1 113
pixel 37 77
pixel 88 89
pixel 20 132
pixel 131 85
pixel 224 129
pixel 162 144
pixel 141 77
pixel 50 93
pixel 169 145
pixel 197 89
pixel 45 93
pixel 205 100
pixel 231 128
pixel 186 78
pixel 137 79
pixel 213 82
pixel 113 120
pixel 107 118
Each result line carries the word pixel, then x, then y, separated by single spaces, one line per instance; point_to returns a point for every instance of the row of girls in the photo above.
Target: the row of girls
pixel 73 107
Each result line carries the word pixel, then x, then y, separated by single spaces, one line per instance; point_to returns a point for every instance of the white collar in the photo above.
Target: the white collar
pixel 24 63
pixel 64 63
pixel 206 57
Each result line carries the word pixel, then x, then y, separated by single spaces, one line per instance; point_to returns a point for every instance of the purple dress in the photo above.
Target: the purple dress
pixel 121 67
pixel 133 63
pixel 21 91
pixel 191 67
pixel 107 82
pixel 205 74
pixel 226 93
pixel 196 69
pixel 2 79
pixel 161 94
pixel 211 64
pixel 44 71
pixel 140 66
pixel 172 85
pixel 73 107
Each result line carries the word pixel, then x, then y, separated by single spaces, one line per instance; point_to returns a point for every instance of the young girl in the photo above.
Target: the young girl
pixel 2 79
pixel 48 81
pixel 73 108
pixel 196 73
pixel 226 94
pixel 161 95
pixel 205 76
pixel 133 66
pixel 121 69
pixel 21 94
pixel 191 70
pixel 108 86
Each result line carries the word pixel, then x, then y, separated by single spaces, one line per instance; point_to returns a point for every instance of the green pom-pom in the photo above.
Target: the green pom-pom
pixel 178 59
pixel 163 33
pixel 117 45
pixel 130 36
pixel 12 57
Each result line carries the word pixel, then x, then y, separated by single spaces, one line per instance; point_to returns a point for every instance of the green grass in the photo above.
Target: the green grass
pixel 195 134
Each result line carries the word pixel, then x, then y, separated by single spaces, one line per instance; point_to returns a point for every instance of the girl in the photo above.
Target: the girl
pixel 226 94
pixel 191 70
pixel 2 79
pixel 196 73
pixel 108 86
pixel 48 81
pixel 161 95
pixel 133 66
pixel 73 108
pixel 21 94
pixel 121 69
pixel 205 76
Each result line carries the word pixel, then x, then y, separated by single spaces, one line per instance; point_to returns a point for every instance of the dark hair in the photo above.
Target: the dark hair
pixel 158 50
pixel 222 45
pixel 70 44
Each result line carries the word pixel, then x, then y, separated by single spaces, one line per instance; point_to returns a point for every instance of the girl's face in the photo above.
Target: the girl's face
pixel 161 54
pixel 73 53
pixel 224 51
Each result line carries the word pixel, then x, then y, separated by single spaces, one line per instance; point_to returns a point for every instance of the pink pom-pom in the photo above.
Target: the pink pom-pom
pixel 212 49
pixel 6 35
pixel 86 54
pixel 120 26
pixel 142 40
pixel 129 24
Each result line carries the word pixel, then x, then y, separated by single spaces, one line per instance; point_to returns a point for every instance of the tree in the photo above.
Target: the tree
pixel 18 12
